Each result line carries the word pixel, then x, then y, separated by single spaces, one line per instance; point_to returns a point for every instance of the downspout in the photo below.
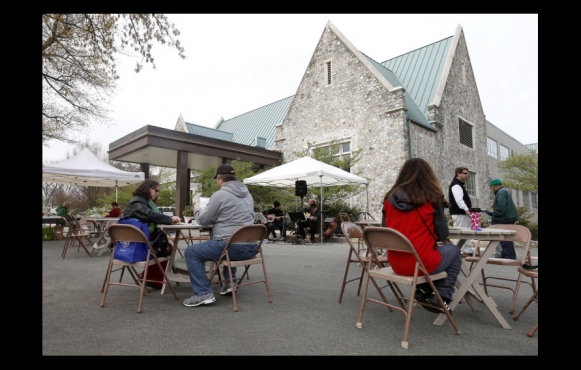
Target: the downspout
pixel 409 139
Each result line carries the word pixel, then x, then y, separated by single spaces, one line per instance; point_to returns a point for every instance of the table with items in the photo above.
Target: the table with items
pixel 493 236
pixel 176 273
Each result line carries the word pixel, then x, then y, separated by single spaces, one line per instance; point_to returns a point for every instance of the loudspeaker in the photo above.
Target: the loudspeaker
pixel 300 188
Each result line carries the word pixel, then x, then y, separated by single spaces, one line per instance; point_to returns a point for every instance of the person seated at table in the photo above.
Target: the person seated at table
pixel 312 222
pixel 63 211
pixel 414 206
pixel 116 211
pixel 275 217
pixel 229 208
pixel 144 208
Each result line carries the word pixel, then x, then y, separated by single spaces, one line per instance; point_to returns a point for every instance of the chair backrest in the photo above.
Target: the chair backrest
pixel 351 231
pixel 344 217
pixel 129 233
pixel 389 239
pixel 523 235
pixel 249 234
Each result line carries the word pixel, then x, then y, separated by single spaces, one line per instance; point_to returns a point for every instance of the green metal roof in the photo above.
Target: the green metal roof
pixel 419 72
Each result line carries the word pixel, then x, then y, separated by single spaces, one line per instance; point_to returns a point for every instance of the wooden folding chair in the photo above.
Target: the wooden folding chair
pixel 130 233
pixel 359 256
pixel 533 274
pixel 390 239
pixel 249 234
pixel 523 235
pixel 76 233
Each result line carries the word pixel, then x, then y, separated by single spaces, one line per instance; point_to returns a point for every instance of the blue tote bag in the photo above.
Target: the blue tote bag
pixel 132 251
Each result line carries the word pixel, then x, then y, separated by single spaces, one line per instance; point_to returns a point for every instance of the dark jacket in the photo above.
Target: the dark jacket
pixel 503 210
pixel 454 209
pixel 139 209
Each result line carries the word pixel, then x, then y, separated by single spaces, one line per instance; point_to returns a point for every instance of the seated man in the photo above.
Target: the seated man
pixel 275 217
pixel 63 211
pixel 312 223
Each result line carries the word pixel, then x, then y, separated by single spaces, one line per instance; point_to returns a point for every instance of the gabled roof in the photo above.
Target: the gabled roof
pixel 419 72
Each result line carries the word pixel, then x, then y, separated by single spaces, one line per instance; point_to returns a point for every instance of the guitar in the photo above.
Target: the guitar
pixel 273 218
pixel 332 226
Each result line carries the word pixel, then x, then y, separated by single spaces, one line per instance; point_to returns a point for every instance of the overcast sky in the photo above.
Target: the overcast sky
pixel 239 62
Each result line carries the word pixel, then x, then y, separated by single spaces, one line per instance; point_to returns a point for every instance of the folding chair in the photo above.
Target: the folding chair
pixel 523 235
pixel 359 256
pixel 76 233
pixel 248 234
pixel 130 233
pixel 391 239
pixel 533 274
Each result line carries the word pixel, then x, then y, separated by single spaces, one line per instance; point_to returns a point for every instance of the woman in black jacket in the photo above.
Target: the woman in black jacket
pixel 143 207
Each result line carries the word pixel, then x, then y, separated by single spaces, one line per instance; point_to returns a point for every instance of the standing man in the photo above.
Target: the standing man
pixel 275 218
pixel 460 204
pixel 503 212
pixel 228 209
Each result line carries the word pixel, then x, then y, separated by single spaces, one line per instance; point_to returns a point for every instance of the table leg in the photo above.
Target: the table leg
pixel 471 281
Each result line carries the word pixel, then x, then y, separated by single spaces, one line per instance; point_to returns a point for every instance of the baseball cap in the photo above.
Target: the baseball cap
pixel 224 169
pixel 495 182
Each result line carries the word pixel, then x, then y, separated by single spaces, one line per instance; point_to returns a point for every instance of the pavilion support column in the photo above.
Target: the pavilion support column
pixel 145 169
pixel 182 182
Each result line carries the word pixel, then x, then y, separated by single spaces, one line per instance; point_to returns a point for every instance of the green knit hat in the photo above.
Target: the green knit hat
pixel 495 182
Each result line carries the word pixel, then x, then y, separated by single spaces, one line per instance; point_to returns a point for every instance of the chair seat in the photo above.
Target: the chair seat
pixel 387 273
pixel 496 261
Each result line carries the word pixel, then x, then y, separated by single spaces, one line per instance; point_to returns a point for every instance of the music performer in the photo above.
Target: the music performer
pixel 312 223
pixel 275 217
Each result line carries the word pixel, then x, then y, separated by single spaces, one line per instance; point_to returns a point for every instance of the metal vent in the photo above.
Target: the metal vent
pixel 328 67
pixel 465 133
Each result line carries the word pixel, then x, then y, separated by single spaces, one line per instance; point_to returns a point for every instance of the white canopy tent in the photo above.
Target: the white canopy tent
pixel 86 169
pixel 307 169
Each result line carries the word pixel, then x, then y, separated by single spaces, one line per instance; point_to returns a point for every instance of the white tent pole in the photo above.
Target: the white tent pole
pixel 321 201
pixel 116 190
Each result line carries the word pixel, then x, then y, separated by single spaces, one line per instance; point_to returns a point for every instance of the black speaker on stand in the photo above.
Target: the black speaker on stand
pixel 300 188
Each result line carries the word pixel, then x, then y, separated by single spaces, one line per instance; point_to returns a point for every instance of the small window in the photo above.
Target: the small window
pixel 471 184
pixel 492 147
pixel 328 72
pixel 534 202
pixel 465 133
pixel 463 72
pixel 504 153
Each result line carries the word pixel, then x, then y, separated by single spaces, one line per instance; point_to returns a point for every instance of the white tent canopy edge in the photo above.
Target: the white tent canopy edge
pixel 86 169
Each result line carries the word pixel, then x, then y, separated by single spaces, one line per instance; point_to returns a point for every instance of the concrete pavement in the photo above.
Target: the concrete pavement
pixel 304 318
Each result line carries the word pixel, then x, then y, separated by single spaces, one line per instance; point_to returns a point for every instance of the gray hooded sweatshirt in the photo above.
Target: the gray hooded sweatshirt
pixel 229 208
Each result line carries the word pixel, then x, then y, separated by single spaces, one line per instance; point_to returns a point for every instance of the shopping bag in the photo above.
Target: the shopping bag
pixel 475 220
pixel 132 251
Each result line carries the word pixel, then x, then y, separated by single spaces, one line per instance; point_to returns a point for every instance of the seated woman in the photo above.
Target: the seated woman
pixel 143 207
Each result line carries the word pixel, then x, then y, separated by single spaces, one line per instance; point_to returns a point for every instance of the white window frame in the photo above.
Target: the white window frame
pixel 492 147
pixel 504 153
pixel 344 149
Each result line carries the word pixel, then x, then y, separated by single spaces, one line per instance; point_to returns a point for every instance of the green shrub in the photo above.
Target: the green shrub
pixel 534 228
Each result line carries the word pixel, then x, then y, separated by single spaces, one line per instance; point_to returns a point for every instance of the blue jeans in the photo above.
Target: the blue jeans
pixel 452 264
pixel 197 255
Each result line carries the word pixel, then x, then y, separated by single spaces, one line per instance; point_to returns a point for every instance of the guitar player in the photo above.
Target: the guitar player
pixel 275 218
